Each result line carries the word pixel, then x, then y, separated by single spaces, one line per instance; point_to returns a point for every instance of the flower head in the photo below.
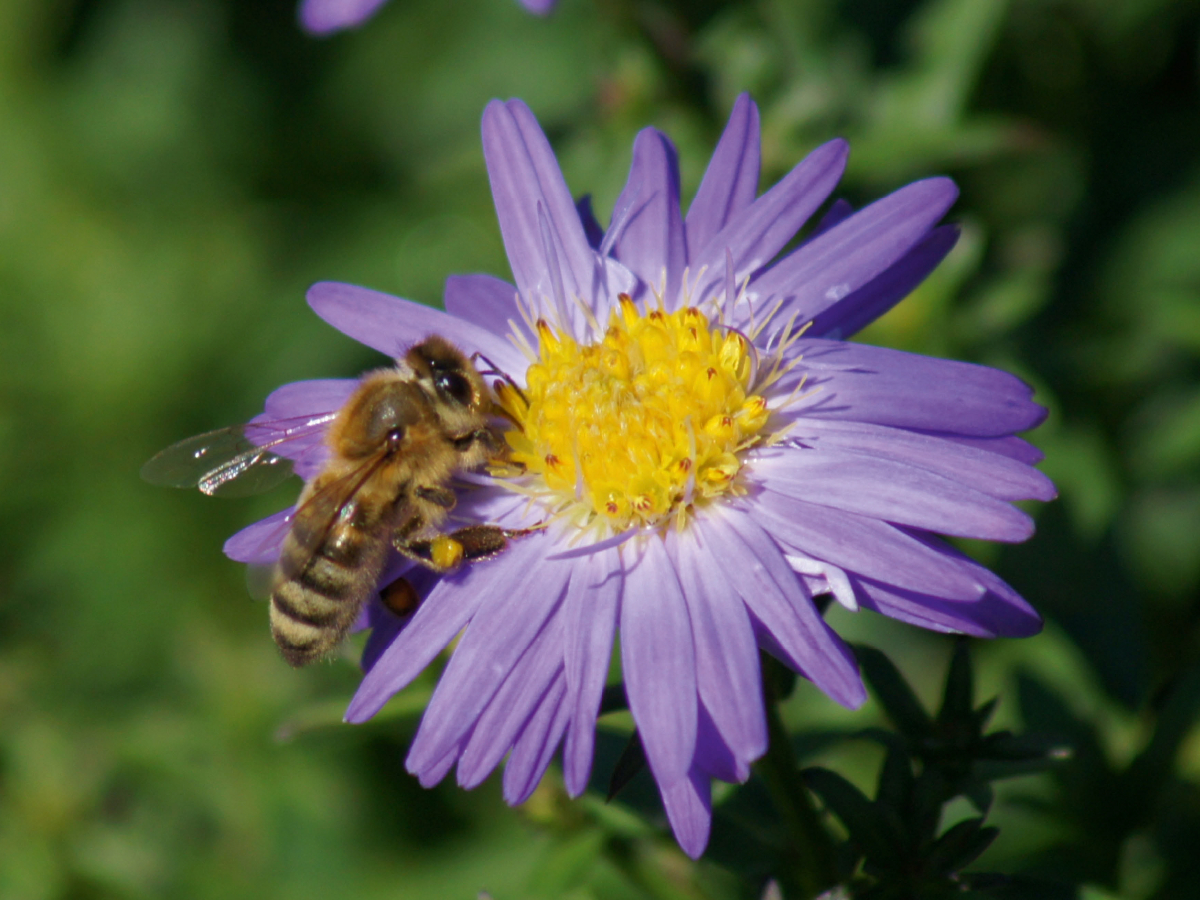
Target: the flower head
pixel 327 16
pixel 705 453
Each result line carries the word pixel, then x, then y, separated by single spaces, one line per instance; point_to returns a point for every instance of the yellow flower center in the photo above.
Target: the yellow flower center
pixel 639 426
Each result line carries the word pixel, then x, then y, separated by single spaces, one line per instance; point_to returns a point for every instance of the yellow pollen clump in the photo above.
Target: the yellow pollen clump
pixel 640 425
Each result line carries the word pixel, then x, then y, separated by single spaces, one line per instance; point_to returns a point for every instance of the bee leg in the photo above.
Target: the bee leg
pixel 470 544
pixel 479 436
pixel 400 597
pixel 439 496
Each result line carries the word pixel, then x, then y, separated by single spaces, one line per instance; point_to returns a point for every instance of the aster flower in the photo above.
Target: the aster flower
pixel 705 453
pixel 323 17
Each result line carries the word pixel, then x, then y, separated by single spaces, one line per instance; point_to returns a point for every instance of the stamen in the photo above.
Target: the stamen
pixel 637 428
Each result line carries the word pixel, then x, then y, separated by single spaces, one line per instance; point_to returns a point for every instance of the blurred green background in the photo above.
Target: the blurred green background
pixel 175 173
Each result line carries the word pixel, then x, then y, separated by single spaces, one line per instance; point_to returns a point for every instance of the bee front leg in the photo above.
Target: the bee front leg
pixel 482 436
pixel 438 496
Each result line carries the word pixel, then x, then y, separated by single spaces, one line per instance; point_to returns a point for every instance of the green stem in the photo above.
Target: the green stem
pixel 810 851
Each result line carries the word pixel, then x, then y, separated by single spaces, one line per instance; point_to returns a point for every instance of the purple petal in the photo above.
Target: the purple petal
pixel 536 745
pixel 881 293
pixel 392 325
pixel 832 265
pixel 505 715
pixel 590 612
pixel 756 569
pixel 259 544
pixel 591 227
pixel 326 16
pixel 1010 445
pixel 486 301
pixel 890 387
pixel 999 476
pixel 308 398
pixel 525 178
pixel 385 624
pixel 688 802
pixel 726 654
pixel 436 771
pixel 295 421
pixel 757 233
pixel 449 606
pixel 713 756
pixel 839 211
pixel 659 662
pixel 491 504
pixel 730 182
pixel 892 491
pixel 517 607
pixel 651 241
pixel 861 544
pixel 540 7
pixel 992 615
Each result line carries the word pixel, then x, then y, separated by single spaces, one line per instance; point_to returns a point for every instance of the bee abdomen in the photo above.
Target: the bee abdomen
pixel 317 598
pixel 307 625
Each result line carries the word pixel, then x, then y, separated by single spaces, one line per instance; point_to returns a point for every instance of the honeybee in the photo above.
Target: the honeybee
pixel 393 448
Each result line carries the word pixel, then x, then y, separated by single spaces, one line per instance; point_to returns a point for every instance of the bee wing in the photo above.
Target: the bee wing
pixel 260 545
pixel 237 461
pixel 322 508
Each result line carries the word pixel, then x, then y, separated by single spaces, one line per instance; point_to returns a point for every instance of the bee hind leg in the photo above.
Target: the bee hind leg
pixel 445 552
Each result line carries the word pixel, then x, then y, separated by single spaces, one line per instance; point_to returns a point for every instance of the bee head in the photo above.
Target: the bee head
pixel 443 367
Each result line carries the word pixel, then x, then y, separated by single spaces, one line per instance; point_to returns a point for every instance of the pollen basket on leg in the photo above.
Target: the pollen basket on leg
pixel 636 427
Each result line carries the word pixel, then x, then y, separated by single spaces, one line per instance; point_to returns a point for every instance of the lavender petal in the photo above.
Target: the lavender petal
pixel 760 231
pixel 727 670
pixel 906 390
pixel 997 475
pixel 259 544
pixel 525 178
pixel 688 803
pixel 885 290
pixel 659 662
pixel 500 630
pixel 590 612
pixel 893 492
pixel 651 242
pixel 322 17
pixel 778 599
pixel 486 301
pixel 392 325
pixel 832 265
pixel 730 182
pixel 507 712
pixel 535 747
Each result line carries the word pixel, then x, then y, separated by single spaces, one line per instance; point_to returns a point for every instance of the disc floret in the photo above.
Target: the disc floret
pixel 639 426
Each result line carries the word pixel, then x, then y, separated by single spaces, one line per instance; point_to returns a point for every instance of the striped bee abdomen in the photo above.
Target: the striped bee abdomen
pixel 318 593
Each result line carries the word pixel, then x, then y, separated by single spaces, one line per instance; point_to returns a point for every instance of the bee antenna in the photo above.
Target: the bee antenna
pixel 493 369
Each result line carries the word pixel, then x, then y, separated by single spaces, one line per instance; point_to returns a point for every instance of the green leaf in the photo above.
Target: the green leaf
pixel 894 694
pixel 960 846
pixel 631 761
pixel 568 861
pixel 958 697
pixel 1150 769
pixel 867 823
pixel 895 779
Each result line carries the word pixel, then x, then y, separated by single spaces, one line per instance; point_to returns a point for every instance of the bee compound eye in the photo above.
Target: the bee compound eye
pixel 454 385
pixel 395 437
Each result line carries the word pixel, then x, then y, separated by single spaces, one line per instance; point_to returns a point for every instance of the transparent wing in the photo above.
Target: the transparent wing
pixel 259 545
pixel 237 461
pixel 334 500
